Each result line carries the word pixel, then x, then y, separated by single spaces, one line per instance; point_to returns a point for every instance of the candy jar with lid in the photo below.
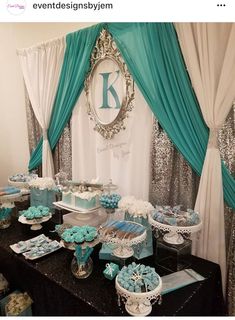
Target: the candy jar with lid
pixel 110 198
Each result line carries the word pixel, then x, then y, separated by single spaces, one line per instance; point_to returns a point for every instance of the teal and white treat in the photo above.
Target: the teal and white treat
pixel 79 235
pixel 44 248
pixel 175 216
pixel 38 212
pixel 5 213
pixel 23 177
pixel 67 196
pixel 110 201
pixel 122 229
pixel 138 278
pixel 87 199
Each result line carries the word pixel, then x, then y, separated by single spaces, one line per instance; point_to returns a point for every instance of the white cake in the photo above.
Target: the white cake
pixel 82 200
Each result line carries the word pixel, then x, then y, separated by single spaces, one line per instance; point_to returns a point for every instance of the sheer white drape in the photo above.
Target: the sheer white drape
pixel 41 67
pixel 125 158
pixel 209 53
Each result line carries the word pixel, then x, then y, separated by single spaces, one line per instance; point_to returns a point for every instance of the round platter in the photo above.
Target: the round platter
pixel 35 223
pixel 122 240
pixel 174 232
pixel 19 184
pixel 10 197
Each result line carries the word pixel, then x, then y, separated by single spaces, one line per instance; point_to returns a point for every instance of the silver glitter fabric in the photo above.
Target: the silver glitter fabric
pixel 34 129
pixel 174 182
pixel 62 154
pixel 172 179
pixel 227 151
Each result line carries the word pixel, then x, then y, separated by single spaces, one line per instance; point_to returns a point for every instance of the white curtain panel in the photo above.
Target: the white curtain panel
pixel 41 67
pixel 209 53
pixel 125 159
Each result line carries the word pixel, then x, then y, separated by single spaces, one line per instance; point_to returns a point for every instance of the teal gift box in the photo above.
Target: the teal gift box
pixel 111 270
pixel 43 197
pixel 145 248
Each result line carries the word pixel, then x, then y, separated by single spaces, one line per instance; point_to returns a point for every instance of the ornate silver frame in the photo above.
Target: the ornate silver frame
pixel 106 48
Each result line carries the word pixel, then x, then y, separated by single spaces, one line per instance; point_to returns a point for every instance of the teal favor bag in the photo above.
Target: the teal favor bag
pixel 43 197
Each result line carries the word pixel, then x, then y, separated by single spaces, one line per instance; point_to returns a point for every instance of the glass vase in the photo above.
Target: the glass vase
pixel 81 270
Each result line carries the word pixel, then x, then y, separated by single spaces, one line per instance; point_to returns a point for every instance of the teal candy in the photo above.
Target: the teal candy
pixel 147 281
pixel 82 255
pixel 110 200
pixel 5 213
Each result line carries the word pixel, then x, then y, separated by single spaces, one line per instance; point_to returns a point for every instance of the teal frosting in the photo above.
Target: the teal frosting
pixel 35 212
pixel 79 234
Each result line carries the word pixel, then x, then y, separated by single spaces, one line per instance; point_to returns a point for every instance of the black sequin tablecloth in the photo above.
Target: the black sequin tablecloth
pixel 55 291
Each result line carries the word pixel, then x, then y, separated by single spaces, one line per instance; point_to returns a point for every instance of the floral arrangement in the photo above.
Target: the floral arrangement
pixel 135 207
pixel 42 183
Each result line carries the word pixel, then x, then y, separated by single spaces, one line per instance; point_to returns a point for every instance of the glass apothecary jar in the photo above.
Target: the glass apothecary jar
pixel 5 216
pixel 110 198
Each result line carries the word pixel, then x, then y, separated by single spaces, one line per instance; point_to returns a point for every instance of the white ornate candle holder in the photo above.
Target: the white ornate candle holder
pixel 138 304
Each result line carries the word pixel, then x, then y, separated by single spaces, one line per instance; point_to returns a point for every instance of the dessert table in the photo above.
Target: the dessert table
pixel 56 292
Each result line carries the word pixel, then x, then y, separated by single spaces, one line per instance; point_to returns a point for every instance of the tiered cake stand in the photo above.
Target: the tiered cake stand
pixel 80 217
pixel 138 304
pixel 174 233
pixel 122 245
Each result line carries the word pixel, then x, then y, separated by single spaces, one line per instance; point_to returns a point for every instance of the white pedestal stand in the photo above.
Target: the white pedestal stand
pixel 78 217
pixel 173 235
pixel 139 304
pixel 35 223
